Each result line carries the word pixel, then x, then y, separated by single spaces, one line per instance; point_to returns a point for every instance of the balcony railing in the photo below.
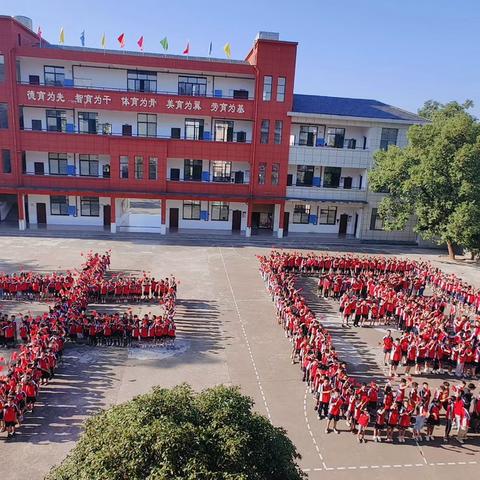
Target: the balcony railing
pixel 346 146
pixel 106 130
pixel 71 84
pixel 66 175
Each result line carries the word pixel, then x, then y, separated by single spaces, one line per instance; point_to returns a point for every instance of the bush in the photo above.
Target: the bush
pixel 177 434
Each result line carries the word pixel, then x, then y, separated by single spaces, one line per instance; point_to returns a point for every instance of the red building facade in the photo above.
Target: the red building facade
pixel 160 141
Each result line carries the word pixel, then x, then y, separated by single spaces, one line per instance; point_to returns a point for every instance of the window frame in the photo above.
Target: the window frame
pixel 122 164
pixel 223 129
pixel 281 88
pixel 302 171
pixel 89 160
pixel 328 174
pixel 134 82
pixel 374 218
pixel 264 131
pixel 2 67
pixel 138 167
pixel 60 82
pixel 84 118
pixel 56 114
pixel 225 170
pixel 187 86
pixel 278 132
pixel 267 88
pixel 385 137
pixel 198 126
pixel 262 173
pixel 145 120
pixel 153 164
pixel 191 167
pixel 275 177
pixel 327 216
pixel 301 213
pixel 6 160
pixel 218 208
pixel 89 202
pixel 3 115
pixel 65 204
pixel 335 136
pixel 57 157
pixel 192 205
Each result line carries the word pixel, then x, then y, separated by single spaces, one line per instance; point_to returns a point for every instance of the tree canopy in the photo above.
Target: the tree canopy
pixel 436 177
pixel 177 434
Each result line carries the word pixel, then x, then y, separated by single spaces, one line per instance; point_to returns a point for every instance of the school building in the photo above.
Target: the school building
pixel 142 142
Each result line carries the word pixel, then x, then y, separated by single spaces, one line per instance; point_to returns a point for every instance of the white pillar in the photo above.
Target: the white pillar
pixel 280 233
pixel 248 231
pixel 113 227
pixel 163 229
pixel 22 224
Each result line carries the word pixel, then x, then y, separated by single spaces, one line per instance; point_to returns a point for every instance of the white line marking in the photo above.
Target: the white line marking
pixel 314 440
pixel 259 383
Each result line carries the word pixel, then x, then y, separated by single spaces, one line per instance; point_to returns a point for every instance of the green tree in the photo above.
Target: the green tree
pixel 436 177
pixel 177 434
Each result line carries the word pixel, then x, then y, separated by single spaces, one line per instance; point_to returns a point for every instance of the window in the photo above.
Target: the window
pixel 264 131
pixel 6 161
pixel 123 166
pixel 240 94
pixel 191 210
pixel 2 68
pixel 54 75
pixel 87 122
pixel 56 120
pixel 89 207
pixel 278 132
pixel 194 129
pixel 262 169
pixel 308 135
pixel 301 214
pixel 335 137
pixel 88 165
pixel 331 177
pixel 328 216
pixel 138 168
pixel 141 81
pixel 192 170
pixel 305 175
pixel 275 173
pixel 146 125
pixel 389 137
pixel 57 163
pixel 3 115
pixel 281 89
pixel 195 86
pixel 220 211
pixel 223 130
pixel 376 222
pixel 152 168
pixel 58 205
pixel 267 88
pixel 222 171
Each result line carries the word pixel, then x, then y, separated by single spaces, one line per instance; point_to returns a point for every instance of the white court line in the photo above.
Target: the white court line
pixel 314 440
pixel 242 324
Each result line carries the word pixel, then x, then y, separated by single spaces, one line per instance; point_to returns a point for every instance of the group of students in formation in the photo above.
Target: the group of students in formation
pixel 35 362
pixel 43 337
pixel 438 333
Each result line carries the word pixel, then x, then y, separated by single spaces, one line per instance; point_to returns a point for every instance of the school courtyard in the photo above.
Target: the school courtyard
pixel 227 333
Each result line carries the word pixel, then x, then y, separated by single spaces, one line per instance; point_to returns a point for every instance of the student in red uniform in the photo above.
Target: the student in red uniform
pixel 334 409
pixel 363 421
pixel 380 421
pixel 10 416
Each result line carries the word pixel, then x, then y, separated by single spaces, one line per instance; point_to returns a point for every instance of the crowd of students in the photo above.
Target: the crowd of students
pixel 35 362
pixel 436 328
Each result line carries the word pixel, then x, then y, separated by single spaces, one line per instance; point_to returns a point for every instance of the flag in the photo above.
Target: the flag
pixel 227 50
pixel 140 43
pixel 187 49
pixel 210 49
pixel 82 38
pixel 104 40
pixel 62 36
pixel 121 40
pixel 39 32
pixel 164 43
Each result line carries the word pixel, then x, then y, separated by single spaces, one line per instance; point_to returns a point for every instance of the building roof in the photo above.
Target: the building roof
pixel 351 107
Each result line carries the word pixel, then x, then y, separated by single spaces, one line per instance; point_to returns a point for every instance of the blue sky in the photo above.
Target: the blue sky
pixel 402 52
